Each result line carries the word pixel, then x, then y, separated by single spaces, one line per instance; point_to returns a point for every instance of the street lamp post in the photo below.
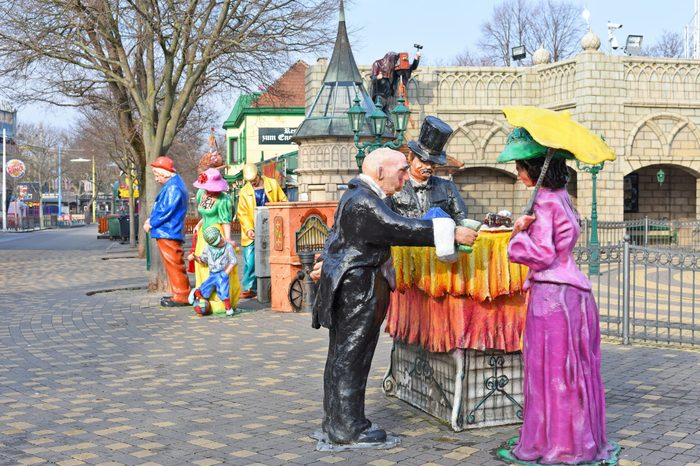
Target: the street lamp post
pixel 594 261
pixel 60 191
pixel 94 192
pixel 4 180
pixel 378 120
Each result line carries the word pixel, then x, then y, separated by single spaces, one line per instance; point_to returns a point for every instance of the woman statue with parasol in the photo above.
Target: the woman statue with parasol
pixel 564 401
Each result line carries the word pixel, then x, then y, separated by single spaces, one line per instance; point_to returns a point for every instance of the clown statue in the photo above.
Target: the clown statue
pixel 215 207
pixel 257 191
pixel 167 226
pixel 220 258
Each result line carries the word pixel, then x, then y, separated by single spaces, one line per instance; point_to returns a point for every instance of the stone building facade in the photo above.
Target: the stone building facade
pixel 647 109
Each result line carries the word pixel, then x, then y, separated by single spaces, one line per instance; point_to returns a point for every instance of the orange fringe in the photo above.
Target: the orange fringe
pixel 474 303
pixel 484 274
pixel 441 325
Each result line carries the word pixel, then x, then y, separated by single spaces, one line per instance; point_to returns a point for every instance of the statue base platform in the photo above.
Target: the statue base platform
pixel 324 444
pixel 506 454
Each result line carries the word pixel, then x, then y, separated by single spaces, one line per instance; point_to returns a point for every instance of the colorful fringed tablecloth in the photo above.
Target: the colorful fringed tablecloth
pixel 474 303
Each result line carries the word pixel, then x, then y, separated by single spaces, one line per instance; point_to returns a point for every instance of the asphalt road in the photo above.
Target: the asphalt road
pixel 62 239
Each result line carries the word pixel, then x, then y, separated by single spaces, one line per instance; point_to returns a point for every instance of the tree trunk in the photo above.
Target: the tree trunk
pixel 158 279
pixel 133 228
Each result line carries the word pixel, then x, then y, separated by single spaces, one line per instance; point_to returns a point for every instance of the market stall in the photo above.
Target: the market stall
pixel 456 330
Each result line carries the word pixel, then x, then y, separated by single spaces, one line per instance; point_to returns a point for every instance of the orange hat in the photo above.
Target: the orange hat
pixel 166 163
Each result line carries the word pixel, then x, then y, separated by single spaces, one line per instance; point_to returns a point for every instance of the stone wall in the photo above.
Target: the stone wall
pixel 647 109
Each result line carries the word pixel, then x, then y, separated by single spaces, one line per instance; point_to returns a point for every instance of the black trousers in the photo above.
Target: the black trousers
pixel 360 308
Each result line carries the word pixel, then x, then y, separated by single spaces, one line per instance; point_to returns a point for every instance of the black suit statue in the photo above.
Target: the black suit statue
pixel 415 199
pixel 352 301
pixel 438 193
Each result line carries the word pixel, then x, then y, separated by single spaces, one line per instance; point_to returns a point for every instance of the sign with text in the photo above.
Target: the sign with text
pixel 16 168
pixel 276 135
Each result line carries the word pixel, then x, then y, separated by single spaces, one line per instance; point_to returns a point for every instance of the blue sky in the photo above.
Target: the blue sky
pixel 447 27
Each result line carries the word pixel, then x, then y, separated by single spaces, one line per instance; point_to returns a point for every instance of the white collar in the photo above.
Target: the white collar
pixel 373 185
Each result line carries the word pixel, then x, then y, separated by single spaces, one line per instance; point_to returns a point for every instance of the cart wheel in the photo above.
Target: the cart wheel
pixel 296 294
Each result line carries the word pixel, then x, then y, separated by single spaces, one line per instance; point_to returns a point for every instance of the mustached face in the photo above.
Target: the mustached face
pixel 421 170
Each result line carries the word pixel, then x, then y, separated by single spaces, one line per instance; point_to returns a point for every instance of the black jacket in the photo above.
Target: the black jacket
pixel 440 192
pixel 364 230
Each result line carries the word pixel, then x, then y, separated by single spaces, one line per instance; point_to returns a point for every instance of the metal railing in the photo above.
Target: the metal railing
pixel 646 293
pixel 676 234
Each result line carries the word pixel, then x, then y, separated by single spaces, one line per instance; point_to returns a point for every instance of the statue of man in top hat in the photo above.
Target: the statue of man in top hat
pixel 424 191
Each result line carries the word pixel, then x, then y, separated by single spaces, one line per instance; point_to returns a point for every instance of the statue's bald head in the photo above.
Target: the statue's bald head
pixel 388 168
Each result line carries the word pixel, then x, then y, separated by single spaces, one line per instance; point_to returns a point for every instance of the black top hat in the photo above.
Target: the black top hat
pixel 430 145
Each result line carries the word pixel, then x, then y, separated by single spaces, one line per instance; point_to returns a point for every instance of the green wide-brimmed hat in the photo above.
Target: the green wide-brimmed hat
pixel 521 146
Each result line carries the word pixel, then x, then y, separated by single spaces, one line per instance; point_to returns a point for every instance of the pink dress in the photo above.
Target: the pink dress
pixel 564 402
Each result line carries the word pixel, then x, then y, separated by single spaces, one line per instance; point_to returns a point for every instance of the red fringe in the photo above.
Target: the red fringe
pixel 443 324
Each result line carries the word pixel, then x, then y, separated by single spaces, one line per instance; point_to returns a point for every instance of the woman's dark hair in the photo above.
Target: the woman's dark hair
pixel 557 174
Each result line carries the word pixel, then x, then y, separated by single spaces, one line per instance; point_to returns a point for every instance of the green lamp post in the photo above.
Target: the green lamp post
pixel 594 244
pixel 378 120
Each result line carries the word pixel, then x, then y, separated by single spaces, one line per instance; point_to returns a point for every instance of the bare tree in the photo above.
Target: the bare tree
pixel 558 27
pixel 466 58
pixel 97 135
pixel 151 59
pixel 38 148
pixel 555 25
pixel 506 29
pixel 669 45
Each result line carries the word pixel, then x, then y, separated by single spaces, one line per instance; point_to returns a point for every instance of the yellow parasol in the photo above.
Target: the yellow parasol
pixel 558 131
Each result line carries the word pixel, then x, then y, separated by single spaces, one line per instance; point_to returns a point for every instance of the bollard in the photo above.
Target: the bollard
pixel 626 292
pixel 262 253
pixel 307 263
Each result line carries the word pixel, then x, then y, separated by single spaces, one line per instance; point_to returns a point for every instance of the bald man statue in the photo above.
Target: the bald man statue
pixel 354 287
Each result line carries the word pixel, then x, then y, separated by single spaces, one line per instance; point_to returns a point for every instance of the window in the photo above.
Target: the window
pixel 631 187
pixel 233 150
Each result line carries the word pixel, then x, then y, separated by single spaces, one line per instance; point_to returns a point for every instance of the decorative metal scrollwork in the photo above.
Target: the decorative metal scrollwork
pixel 670 258
pixel 495 383
pixel 422 368
pixel 606 254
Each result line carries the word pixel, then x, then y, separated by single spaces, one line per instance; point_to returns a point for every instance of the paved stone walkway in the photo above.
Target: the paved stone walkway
pixel 110 378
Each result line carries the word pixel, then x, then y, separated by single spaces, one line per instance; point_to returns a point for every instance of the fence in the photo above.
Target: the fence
pixel 676 234
pixel 191 222
pixel 644 293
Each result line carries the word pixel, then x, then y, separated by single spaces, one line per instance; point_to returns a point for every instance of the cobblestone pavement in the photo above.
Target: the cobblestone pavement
pixel 111 378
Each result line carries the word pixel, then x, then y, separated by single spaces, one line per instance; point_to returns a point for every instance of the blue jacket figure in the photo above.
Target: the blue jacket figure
pixel 220 257
pixel 167 227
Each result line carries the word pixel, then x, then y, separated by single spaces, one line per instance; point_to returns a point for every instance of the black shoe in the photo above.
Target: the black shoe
pixel 372 436
pixel 168 302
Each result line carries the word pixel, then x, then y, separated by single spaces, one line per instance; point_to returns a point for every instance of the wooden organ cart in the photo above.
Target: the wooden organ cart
pixel 456 330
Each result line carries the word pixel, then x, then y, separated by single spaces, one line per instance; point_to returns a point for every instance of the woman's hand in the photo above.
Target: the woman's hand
pixel 522 224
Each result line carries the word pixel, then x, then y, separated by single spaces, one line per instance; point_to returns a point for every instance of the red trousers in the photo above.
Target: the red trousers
pixel 173 259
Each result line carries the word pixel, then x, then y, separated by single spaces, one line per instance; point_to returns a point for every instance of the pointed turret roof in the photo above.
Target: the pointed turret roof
pixel 342 82
pixel 342 66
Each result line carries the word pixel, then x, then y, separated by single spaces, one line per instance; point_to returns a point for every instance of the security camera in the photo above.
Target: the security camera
pixel 614 44
pixel 614 25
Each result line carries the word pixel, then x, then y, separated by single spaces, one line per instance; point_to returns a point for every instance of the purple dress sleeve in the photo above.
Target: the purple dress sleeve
pixel 534 247
pixel 546 246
